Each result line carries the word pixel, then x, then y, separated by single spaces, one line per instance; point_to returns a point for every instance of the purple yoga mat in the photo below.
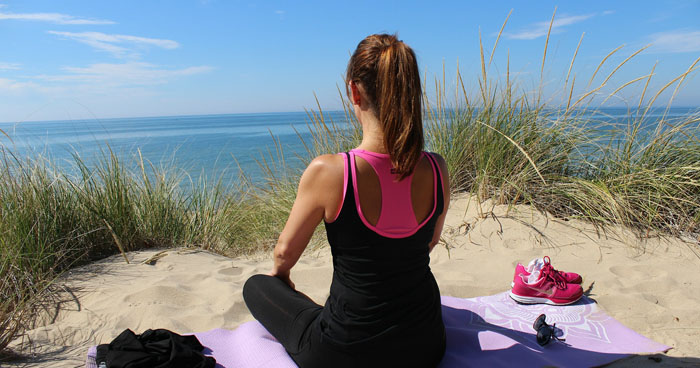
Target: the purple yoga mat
pixel 495 331
pixel 491 331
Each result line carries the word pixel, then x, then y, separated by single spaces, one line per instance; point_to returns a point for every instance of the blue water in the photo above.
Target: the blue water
pixel 213 145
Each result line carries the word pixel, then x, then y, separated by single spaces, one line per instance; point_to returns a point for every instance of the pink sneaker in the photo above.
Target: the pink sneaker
pixel 549 288
pixel 538 264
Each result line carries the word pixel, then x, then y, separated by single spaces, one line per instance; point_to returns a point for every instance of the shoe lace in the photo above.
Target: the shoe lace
pixel 552 274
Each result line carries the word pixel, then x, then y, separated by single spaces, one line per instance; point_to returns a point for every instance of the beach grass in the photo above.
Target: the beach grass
pixel 501 143
pixel 52 221
pixel 514 146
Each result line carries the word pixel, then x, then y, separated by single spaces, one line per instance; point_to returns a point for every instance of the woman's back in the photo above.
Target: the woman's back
pixel 383 293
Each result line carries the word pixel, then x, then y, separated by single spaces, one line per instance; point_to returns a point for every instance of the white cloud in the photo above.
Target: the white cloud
pixel 15 87
pixel 8 66
pixel 52 18
pixel 608 12
pixel 540 29
pixel 280 12
pixel 675 41
pixel 11 84
pixel 107 42
pixel 122 75
pixel 100 79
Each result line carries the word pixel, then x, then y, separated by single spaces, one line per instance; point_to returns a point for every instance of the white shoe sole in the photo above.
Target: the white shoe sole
pixel 536 300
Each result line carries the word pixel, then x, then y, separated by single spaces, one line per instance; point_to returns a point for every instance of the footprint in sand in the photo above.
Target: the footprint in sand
pixel 231 271
pixel 637 272
pixel 160 295
pixel 235 312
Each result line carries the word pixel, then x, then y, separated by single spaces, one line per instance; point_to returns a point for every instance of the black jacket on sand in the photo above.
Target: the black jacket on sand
pixel 153 349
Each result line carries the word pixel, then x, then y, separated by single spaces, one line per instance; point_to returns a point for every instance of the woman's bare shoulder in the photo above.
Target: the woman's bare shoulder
pixel 439 160
pixel 327 162
pixel 444 174
pixel 325 168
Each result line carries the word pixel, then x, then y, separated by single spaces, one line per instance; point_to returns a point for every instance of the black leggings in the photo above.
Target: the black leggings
pixel 291 316
pixel 286 313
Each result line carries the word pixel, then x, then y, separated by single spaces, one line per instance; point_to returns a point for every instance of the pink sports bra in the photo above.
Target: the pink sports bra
pixel 396 219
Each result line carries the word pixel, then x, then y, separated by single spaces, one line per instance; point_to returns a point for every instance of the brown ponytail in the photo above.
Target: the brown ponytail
pixel 388 72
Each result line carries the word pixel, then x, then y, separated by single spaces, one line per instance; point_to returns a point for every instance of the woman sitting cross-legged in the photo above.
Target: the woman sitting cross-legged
pixel 383 205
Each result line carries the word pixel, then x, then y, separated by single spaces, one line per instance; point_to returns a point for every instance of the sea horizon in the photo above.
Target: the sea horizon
pixel 215 146
pixel 305 111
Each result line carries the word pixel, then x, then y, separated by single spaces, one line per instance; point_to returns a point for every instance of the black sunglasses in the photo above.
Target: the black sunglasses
pixel 545 332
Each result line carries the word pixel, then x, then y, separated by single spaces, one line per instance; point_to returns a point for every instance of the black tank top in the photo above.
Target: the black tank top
pixel 383 294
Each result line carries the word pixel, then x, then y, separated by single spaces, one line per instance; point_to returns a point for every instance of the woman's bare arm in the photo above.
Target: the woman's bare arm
pixel 318 196
pixel 446 192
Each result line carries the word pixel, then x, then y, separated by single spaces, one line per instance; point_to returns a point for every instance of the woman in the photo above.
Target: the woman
pixel 383 205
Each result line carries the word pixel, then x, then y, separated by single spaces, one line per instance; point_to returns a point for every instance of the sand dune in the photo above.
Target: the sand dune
pixel 651 285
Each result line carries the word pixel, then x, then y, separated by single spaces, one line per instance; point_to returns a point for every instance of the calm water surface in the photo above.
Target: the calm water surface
pixel 213 145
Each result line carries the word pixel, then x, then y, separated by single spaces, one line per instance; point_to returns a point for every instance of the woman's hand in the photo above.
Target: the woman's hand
pixel 284 277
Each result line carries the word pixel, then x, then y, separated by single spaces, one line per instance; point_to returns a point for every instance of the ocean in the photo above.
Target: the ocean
pixel 210 145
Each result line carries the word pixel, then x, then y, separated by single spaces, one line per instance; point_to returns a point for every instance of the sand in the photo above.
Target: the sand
pixel 652 285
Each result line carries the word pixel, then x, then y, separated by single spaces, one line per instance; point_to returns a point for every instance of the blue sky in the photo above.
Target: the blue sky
pixel 102 59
